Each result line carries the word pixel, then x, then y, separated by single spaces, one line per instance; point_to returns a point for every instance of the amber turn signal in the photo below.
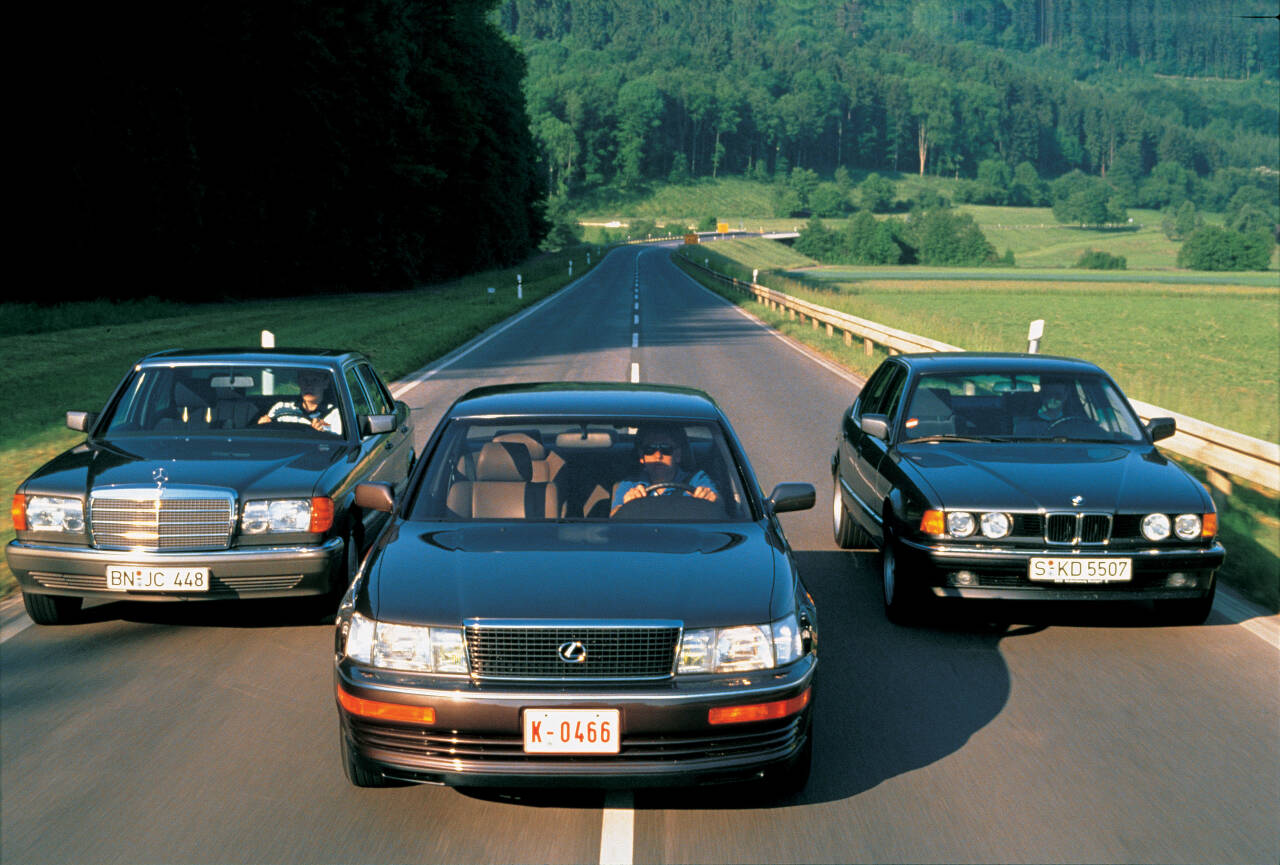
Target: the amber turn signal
pixel 386 711
pixel 933 523
pixel 1209 526
pixel 321 515
pixel 757 711
pixel 19 513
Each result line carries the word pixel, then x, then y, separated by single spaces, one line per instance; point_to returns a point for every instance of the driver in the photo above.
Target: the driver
pixel 660 448
pixel 1052 410
pixel 311 407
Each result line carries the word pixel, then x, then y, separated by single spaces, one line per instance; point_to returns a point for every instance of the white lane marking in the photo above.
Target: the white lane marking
pixel 635 340
pixel 617 833
pixel 635 319
pixel 635 373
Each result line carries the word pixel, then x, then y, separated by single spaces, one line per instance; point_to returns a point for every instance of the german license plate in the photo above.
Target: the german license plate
pixel 1080 569
pixel 142 578
pixel 571 731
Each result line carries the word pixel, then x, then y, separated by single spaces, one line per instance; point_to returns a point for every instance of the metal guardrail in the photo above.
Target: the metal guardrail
pixel 1217 448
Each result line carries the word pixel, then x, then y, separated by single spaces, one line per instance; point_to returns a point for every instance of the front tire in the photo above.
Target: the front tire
pixel 359 773
pixel 899 606
pixel 51 609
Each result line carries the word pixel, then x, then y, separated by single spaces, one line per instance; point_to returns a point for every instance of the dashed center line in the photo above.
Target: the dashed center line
pixel 617 834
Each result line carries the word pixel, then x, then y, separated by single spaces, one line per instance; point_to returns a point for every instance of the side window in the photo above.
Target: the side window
pixel 358 398
pixel 873 394
pixel 377 393
pixel 893 393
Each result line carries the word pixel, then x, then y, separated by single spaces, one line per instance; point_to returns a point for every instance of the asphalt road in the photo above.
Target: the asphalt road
pixel 158 733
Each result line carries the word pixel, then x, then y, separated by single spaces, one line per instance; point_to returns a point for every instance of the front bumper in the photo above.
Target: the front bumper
pixel 476 739
pixel 250 572
pixel 1002 573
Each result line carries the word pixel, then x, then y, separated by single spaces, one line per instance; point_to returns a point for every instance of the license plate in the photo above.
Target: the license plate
pixel 1081 569
pixel 141 578
pixel 571 731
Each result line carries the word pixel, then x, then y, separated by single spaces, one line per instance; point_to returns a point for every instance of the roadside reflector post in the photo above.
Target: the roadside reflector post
pixel 519 287
pixel 571 267
pixel 1034 335
pixel 492 293
pixel 268 339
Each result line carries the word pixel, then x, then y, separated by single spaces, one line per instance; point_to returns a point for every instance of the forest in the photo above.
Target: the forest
pixel 198 149
pixel 622 94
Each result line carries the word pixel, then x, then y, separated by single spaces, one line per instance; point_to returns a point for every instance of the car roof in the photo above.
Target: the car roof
pixel 327 356
pixel 997 362
pixel 554 399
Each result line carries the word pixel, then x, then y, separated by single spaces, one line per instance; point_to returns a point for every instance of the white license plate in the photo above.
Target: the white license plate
pixel 142 578
pixel 571 731
pixel 1080 569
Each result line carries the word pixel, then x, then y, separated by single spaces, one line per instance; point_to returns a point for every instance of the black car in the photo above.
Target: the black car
pixel 212 475
pixel 1018 477
pixel 547 607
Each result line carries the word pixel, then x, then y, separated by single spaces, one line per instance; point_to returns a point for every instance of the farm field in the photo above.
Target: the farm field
pixel 1190 346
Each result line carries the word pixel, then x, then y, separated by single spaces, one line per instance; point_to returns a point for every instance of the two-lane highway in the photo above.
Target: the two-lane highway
pixel 163 733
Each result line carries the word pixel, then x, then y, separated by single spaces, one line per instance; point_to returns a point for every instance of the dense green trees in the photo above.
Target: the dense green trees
pixel 238 148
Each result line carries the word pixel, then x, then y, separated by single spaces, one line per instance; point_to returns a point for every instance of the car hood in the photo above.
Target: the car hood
pixel 1053 476
pixel 258 466
pixel 439 573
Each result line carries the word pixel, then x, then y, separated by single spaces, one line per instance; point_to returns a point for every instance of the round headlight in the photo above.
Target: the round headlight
pixel 1187 526
pixel 1155 527
pixel 960 524
pixel 995 525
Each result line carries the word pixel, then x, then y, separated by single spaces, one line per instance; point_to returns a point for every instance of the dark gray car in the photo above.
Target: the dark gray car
pixel 212 475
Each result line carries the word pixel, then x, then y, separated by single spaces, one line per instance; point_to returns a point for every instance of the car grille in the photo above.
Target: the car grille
pixel 148 518
pixel 1077 528
pixel 534 651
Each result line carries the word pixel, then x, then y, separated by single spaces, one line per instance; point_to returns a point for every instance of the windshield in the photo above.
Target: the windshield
pixel 606 469
pixel 240 400
pixel 1021 406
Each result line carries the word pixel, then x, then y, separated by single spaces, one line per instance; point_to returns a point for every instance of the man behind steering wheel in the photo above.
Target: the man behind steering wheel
pixel 661 449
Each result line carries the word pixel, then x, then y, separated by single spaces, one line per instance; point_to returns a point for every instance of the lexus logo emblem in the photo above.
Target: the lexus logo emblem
pixel 1077 500
pixel 572 652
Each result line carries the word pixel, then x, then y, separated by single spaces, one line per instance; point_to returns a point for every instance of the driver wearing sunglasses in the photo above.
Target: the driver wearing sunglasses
pixel 660 450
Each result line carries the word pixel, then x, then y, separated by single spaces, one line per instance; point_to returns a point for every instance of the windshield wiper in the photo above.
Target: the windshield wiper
pixel 951 438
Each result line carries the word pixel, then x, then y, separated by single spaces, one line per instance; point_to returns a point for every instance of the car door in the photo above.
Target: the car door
pixel 864 454
pixel 399 443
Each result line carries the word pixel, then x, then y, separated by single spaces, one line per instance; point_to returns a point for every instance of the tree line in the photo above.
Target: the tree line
pixel 623 94
pixel 236 149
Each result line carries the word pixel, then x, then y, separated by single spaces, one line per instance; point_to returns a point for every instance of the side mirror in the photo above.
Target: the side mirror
pixel 1161 428
pixel 791 497
pixel 876 426
pixel 375 497
pixel 81 421
pixel 376 424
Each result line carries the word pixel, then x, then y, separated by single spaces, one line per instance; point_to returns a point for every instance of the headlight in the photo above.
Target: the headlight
pixel 740 648
pixel 1155 527
pixel 405 647
pixel 1187 526
pixel 960 524
pixel 287 515
pixel 995 525
pixel 54 514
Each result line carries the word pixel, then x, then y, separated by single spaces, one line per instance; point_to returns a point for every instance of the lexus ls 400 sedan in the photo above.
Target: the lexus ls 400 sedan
pixel 212 475
pixel 583 586
pixel 1018 477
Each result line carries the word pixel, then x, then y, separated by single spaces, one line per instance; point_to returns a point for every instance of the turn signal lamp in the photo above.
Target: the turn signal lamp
pixel 757 711
pixel 1209 526
pixel 19 512
pixel 386 711
pixel 933 523
pixel 321 515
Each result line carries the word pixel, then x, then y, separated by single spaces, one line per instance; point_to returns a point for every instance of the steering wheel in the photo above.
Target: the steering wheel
pixel 657 489
pixel 1067 417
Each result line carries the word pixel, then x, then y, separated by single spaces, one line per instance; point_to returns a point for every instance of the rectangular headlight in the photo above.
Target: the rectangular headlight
pixel 740 648
pixel 415 648
pixel 54 514
pixel 313 515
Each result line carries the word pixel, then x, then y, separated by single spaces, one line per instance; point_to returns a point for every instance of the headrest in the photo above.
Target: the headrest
pixel 536 450
pixel 504 461
pixel 926 403
pixel 184 395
